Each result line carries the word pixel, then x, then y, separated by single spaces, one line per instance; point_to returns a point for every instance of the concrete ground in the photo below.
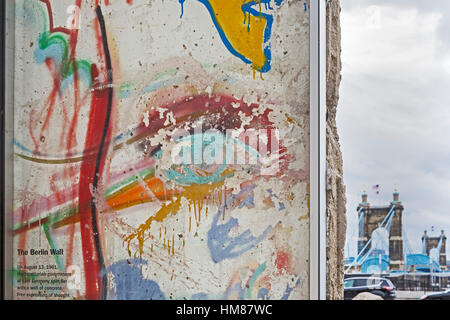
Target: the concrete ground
pixel 411 295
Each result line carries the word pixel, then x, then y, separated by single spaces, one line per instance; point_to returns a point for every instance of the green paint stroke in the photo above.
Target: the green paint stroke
pixel 51 45
pixel 255 276
pixel 129 182
pixel 52 243
pixel 54 217
pixel 55 45
pixel 22 276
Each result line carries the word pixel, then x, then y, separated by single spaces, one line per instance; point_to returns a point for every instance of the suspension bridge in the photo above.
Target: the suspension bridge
pixel 383 246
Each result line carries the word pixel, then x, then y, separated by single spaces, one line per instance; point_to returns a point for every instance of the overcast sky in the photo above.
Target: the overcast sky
pixel 394 110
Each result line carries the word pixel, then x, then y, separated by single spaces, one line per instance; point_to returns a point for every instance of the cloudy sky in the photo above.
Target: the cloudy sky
pixel 394 110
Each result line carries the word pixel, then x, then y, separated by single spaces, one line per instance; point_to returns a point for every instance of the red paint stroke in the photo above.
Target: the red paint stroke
pixel 107 2
pixel 96 124
pixel 60 197
pixel 73 40
pixel 283 261
pixel 90 171
pixel 38 206
pixel 52 96
pixel 71 139
pixel 189 109
pixel 54 188
pixel 73 46
pixel 50 19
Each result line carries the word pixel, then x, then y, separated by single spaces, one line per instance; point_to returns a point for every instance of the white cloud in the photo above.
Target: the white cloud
pixel 394 110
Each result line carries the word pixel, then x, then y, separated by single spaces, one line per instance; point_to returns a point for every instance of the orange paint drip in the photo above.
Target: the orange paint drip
pixel 172 208
pixel 195 195
pixel 195 212
pixel 173 245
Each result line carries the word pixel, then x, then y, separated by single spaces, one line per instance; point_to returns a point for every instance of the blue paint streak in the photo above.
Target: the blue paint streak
pixel 82 73
pixel 263 294
pixel 161 84
pixel 235 288
pixel 182 7
pixel 288 291
pixel 249 202
pixel 21 146
pixel 200 296
pixel 190 177
pixel 221 245
pixel 130 284
pixel 125 94
pixel 54 51
pixel 198 143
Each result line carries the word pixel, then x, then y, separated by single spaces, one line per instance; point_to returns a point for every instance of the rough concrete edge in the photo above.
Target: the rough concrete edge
pixel 336 199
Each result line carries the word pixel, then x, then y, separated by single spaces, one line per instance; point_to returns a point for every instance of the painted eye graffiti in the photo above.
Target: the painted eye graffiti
pixel 204 157
pixel 207 141
pixel 192 159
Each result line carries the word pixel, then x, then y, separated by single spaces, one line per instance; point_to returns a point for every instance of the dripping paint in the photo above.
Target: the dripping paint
pixel 149 160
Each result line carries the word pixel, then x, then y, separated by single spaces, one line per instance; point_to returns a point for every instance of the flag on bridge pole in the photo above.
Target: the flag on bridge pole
pixel 376 188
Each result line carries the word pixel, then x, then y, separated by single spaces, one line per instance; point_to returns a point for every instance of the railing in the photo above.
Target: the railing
pixel 413 281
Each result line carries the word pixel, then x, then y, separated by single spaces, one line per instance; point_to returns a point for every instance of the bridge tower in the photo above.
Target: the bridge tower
pixel 373 216
pixel 435 242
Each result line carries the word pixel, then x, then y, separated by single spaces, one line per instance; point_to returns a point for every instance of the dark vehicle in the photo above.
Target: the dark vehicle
pixel 379 286
pixel 437 296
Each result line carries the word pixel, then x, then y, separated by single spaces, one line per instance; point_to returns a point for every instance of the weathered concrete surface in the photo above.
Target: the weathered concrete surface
pixel 367 296
pixel 233 232
pixel 336 218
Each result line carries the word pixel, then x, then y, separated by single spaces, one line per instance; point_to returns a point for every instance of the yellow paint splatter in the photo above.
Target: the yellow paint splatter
pixel 303 217
pixel 247 39
pixel 172 208
pixel 196 195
